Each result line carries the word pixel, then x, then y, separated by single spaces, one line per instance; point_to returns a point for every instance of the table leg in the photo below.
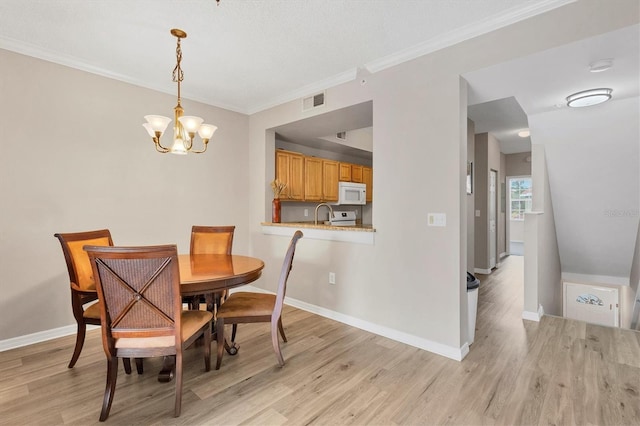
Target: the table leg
pixel 168 367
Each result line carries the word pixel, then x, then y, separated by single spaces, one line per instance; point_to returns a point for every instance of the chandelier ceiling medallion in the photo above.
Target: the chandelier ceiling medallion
pixel 186 126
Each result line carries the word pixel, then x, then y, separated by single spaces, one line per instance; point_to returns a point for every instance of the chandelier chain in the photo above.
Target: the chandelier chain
pixel 178 74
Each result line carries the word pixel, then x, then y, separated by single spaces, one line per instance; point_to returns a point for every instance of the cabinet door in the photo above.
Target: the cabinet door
pixel 356 173
pixel 330 173
pixel 283 160
pixel 367 178
pixel 312 179
pixel 345 172
pixel 290 170
pixel 296 177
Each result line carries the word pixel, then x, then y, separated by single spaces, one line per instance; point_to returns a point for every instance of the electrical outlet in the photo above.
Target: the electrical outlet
pixel 332 277
pixel 306 212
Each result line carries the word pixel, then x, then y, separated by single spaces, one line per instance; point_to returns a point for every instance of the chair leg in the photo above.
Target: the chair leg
pixel 112 376
pixel 281 328
pixel 127 365
pixel 139 366
pixel 207 348
pixel 178 378
pixel 82 331
pixel 233 333
pixel 220 339
pixel 276 343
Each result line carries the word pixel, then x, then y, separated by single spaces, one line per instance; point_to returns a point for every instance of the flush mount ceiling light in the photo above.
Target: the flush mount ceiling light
pixel 601 65
pixel 589 98
pixel 186 126
pixel 525 133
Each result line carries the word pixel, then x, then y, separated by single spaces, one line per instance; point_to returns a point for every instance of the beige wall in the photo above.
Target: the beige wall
pixel 76 158
pixel 632 304
pixel 518 164
pixel 488 157
pixel 471 200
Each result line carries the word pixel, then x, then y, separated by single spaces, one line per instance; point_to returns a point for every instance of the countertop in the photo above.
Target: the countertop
pixel 311 225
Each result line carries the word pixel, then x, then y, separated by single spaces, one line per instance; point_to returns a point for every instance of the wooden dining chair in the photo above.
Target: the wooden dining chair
pixel 247 307
pixel 83 289
pixel 141 311
pixel 210 240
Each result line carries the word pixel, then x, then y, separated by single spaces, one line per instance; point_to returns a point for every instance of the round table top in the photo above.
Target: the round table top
pixel 210 273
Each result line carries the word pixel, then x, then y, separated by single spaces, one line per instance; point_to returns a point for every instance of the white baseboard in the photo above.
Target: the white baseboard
pixel 451 352
pixel 482 271
pixel 594 279
pixel 533 316
pixel 41 336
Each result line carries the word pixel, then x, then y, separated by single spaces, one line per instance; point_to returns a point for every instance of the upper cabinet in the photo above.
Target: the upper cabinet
pixel 367 178
pixel 356 173
pixel 313 179
pixel 330 180
pixel 316 179
pixel 290 170
pixel 345 172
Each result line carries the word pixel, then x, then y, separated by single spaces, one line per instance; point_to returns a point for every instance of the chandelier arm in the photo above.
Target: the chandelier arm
pixel 159 146
pixel 205 143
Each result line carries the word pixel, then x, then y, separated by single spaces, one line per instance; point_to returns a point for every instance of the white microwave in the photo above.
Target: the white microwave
pixel 350 193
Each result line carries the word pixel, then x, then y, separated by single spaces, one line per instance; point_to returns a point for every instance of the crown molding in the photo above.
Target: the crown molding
pixel 318 86
pixel 28 49
pixel 465 33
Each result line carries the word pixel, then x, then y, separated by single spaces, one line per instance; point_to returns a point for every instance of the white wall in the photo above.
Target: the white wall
pixel 542 273
pixel 593 169
pixel 75 157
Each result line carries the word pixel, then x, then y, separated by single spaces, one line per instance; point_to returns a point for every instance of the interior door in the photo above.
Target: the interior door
pixel 493 237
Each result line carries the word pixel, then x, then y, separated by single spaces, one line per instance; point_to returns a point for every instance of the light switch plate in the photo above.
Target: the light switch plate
pixel 477 213
pixel 437 219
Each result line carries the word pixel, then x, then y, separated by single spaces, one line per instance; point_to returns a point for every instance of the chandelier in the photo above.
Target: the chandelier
pixel 186 126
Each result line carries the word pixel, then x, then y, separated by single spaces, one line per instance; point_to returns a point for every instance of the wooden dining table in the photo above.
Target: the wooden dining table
pixel 211 273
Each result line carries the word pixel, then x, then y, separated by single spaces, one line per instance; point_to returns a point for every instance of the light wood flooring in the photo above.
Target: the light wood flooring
pixel 558 371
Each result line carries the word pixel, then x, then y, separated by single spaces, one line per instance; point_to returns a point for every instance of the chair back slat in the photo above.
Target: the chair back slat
pixel 212 239
pixel 138 288
pixel 287 264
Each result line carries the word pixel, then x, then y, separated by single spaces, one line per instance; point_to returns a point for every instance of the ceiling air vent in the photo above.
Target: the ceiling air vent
pixel 312 102
pixel 342 136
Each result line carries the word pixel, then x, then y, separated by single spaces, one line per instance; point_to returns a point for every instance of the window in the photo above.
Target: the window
pixel 519 197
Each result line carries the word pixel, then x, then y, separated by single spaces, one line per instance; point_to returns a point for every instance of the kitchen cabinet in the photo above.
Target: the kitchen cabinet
pixel 313 179
pixel 367 178
pixel 345 172
pixel 356 173
pixel 290 170
pixel 330 174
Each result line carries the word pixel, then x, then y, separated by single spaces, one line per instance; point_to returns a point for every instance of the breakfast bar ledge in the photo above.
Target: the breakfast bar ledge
pixel 360 234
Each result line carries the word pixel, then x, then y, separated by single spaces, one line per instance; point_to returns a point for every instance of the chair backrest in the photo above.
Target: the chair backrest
pixel 78 265
pixel 287 264
pixel 212 239
pixel 139 293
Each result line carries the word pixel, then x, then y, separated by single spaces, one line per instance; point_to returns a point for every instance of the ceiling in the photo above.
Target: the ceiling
pixel 247 55
pixel 502 96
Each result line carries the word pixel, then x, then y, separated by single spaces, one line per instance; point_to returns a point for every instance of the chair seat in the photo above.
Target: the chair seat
pixel 245 304
pixel 192 321
pixel 92 312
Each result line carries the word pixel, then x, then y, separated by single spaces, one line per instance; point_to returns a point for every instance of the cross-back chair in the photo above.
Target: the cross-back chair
pixel 141 311
pixel 247 307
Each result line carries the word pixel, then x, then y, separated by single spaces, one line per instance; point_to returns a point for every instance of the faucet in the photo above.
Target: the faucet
pixel 315 216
